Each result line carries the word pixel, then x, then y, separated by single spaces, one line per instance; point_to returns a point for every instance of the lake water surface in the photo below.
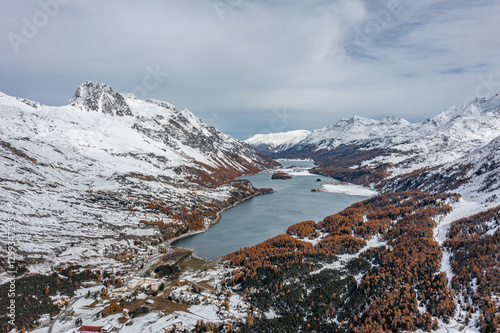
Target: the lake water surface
pixel 268 215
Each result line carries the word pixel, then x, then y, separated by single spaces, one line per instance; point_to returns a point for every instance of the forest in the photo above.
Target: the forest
pixel 32 295
pixel 474 244
pixel 297 276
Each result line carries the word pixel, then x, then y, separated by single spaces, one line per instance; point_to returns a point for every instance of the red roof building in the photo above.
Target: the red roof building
pixel 90 329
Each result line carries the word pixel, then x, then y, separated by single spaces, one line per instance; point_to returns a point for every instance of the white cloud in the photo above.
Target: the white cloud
pixel 320 59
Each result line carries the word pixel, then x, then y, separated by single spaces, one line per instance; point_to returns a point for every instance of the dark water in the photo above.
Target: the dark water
pixel 269 215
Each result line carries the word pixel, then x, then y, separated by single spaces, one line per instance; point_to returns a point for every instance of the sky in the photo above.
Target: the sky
pixel 260 66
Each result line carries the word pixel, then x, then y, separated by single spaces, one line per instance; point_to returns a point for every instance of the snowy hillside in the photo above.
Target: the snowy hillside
pixel 76 179
pixel 276 142
pixel 474 175
pixel 353 131
pixel 366 150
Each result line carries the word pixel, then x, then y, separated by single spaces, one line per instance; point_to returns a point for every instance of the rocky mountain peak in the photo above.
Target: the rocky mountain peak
pixel 97 96
pixel 356 120
pixel 391 120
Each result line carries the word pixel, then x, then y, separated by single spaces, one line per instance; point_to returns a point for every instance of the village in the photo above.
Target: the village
pixel 168 284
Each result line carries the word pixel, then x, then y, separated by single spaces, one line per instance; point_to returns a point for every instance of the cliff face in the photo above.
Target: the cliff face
pixel 96 96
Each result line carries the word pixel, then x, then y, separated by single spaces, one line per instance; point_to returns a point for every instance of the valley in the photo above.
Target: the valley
pixel 266 216
pixel 393 228
pixel 83 182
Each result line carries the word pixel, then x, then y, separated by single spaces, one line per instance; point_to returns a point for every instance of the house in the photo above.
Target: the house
pixel 107 328
pixel 90 329
pixel 132 284
pixel 44 320
pixel 61 301
pixel 176 326
pixel 119 290
pixel 146 282
pixel 155 286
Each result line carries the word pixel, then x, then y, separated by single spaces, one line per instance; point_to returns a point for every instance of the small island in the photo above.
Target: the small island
pixel 280 175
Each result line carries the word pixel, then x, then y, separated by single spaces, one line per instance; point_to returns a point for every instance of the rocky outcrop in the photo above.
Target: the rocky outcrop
pixel 280 175
pixel 99 97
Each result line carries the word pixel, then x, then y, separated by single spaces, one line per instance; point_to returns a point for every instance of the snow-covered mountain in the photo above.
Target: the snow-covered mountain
pixel 100 171
pixel 277 142
pixel 371 151
pixel 474 175
pixel 353 131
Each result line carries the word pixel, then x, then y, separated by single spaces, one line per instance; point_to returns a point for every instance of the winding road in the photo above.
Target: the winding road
pixel 73 301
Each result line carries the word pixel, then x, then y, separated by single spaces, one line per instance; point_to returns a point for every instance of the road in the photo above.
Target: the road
pixel 170 241
pixel 169 247
pixel 70 304
pixel 152 261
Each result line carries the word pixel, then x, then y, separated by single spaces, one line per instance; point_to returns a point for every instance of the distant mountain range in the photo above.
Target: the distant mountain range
pixel 277 142
pixel 99 171
pixel 457 148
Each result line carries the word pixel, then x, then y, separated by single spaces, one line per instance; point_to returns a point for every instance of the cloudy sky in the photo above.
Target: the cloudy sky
pixel 257 66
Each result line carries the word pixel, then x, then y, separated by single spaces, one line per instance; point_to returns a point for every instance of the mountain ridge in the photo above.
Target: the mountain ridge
pixel 119 168
pixel 388 153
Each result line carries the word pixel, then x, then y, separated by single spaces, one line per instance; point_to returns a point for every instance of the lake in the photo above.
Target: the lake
pixel 268 215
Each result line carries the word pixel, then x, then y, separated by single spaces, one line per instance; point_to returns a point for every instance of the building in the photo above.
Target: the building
pixel 61 301
pixel 44 320
pixel 119 290
pixel 156 286
pixel 134 283
pixel 107 328
pixel 90 329
pixel 174 327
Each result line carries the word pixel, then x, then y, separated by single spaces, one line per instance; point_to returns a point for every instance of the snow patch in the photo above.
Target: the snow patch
pixel 348 189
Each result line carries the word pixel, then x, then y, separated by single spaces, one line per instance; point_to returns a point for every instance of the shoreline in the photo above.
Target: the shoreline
pixel 171 247
pixel 219 213
pixel 219 216
pixel 295 159
pixel 169 242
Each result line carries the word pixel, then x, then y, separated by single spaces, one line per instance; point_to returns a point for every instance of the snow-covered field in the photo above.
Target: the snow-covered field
pixel 349 189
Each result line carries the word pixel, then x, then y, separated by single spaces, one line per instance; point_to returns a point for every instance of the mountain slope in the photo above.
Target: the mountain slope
pixel 110 168
pixel 367 151
pixel 353 131
pixel 473 175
